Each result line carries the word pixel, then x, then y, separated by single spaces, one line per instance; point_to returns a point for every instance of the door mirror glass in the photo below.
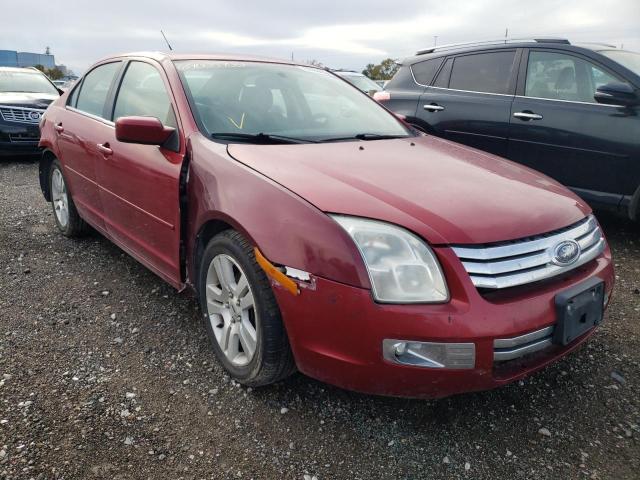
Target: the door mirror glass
pixel 144 130
pixel 616 94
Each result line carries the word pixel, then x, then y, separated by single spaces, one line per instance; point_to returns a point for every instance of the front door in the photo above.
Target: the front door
pixel 470 100
pixel 559 129
pixel 139 184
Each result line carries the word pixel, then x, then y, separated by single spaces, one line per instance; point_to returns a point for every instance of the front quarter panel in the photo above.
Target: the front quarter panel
pixel 286 228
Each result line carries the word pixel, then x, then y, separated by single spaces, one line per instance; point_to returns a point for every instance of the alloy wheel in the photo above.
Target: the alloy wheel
pixel 231 310
pixel 59 198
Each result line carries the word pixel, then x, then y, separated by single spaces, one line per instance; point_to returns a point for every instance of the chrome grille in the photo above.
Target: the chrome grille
pixel 529 260
pixel 510 348
pixel 21 115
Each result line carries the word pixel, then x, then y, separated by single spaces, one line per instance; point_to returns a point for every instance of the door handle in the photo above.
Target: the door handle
pixel 527 116
pixel 105 149
pixel 58 127
pixel 433 107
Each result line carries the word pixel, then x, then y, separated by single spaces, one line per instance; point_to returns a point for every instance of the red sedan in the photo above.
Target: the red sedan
pixel 319 231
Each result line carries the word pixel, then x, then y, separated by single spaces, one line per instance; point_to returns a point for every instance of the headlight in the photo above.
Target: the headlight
pixel 402 268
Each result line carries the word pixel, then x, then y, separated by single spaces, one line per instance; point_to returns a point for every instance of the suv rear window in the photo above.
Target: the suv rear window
pixel 483 72
pixel 424 71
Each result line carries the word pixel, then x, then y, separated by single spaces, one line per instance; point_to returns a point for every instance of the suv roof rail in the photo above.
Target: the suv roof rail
pixel 492 42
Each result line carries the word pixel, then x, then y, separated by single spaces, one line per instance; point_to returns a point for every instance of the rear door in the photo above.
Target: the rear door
pixel 406 87
pixel 139 184
pixel 470 100
pixel 558 128
pixel 78 130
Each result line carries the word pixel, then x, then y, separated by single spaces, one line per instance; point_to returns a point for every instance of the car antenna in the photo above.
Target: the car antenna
pixel 165 39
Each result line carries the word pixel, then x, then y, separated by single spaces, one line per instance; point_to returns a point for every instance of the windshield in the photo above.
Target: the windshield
pixel 298 102
pixel 630 60
pixel 363 83
pixel 28 81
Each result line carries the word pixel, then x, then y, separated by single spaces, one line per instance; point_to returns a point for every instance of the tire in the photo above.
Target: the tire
pixel 64 210
pixel 229 314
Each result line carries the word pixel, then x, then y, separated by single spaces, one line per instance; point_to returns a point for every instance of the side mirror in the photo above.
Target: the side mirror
pixel 616 94
pixel 144 130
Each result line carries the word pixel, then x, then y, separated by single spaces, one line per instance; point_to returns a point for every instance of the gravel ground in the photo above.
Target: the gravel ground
pixel 106 373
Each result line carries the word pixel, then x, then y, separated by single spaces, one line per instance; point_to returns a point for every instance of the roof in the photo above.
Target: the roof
pixel 171 55
pixel 19 69
pixel 443 50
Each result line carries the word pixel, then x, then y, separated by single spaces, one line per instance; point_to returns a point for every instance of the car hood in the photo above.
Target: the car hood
pixel 27 100
pixel 446 192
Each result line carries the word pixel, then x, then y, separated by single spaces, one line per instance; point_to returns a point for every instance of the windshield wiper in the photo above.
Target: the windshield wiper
pixel 365 136
pixel 265 138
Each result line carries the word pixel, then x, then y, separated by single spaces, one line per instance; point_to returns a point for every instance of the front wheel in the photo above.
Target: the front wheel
pixel 64 210
pixel 240 312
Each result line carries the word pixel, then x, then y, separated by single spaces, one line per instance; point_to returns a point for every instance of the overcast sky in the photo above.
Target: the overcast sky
pixel 340 34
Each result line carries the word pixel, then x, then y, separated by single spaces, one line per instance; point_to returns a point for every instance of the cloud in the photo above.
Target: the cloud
pixel 339 33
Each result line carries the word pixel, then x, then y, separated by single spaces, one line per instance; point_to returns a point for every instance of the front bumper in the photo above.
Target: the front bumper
pixel 16 139
pixel 337 331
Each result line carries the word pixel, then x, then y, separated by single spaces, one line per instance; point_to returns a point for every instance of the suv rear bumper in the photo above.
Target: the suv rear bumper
pixel 337 331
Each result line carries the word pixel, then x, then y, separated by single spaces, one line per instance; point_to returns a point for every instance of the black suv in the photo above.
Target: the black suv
pixel 25 93
pixel 570 111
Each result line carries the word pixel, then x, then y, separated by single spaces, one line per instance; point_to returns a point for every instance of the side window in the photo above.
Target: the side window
pixel 142 93
pixel 424 71
pixel 559 76
pixel 443 77
pixel 73 98
pixel 483 72
pixel 95 88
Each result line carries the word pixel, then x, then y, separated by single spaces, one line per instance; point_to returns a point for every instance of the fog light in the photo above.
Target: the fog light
pixel 430 354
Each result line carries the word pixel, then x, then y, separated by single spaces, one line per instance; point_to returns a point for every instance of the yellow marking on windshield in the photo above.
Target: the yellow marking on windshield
pixel 234 122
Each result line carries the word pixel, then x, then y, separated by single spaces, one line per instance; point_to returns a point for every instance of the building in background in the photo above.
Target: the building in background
pixel 12 58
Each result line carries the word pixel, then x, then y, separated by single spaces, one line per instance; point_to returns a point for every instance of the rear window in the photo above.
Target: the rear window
pixel 424 71
pixel 401 80
pixel 483 72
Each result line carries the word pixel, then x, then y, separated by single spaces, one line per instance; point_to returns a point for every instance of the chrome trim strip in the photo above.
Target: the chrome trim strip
pixel 92 116
pixel 524 247
pixel 527 261
pixel 20 114
pixel 569 101
pixel 496 268
pixel 537 275
pixel 526 338
pixel 23 108
pixel 519 352
pixel 467 91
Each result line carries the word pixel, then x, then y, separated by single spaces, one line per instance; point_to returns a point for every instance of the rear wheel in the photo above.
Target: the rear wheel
pixel 241 314
pixel 64 210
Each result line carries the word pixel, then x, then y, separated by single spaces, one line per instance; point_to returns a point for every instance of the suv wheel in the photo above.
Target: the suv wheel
pixel 241 314
pixel 64 210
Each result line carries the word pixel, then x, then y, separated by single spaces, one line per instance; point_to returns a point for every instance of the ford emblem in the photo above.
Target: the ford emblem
pixel 566 252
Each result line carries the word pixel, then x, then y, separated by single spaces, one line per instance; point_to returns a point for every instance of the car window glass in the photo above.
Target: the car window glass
pixel 142 93
pixel 443 77
pixel 289 100
pixel 95 88
pixel 599 77
pixel 73 97
pixel 559 76
pixel 424 71
pixel 483 72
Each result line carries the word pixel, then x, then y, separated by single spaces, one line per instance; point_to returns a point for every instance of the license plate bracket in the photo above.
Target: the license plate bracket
pixel 578 309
